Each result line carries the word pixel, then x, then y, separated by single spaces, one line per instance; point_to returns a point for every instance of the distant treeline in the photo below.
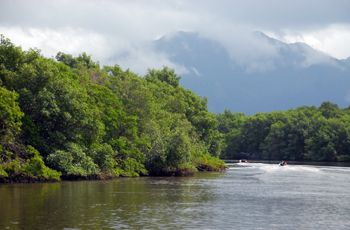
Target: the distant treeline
pixel 302 134
pixel 71 118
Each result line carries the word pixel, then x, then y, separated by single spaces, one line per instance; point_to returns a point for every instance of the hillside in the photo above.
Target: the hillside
pixel 293 75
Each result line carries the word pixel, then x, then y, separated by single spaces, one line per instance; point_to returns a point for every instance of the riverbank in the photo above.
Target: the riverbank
pixel 21 174
pixel 31 180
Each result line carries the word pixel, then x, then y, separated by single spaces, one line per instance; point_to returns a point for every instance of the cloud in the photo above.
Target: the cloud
pixel 107 50
pixel 276 14
pixel 118 32
pixel 333 39
pixel 140 59
pixel 50 41
pixel 132 19
pixel 113 32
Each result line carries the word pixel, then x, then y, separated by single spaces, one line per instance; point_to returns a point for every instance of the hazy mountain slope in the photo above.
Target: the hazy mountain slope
pixel 297 75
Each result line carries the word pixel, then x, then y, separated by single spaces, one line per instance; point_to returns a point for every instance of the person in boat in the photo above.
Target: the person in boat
pixel 283 163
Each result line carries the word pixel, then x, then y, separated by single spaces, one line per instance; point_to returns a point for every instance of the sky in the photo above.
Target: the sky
pixel 120 32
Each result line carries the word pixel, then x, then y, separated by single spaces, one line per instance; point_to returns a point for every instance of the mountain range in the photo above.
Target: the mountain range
pixel 293 75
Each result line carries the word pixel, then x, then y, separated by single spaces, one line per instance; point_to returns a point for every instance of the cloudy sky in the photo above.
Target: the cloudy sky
pixel 116 31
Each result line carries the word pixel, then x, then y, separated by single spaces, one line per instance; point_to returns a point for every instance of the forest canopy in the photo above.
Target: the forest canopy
pixel 69 117
pixel 303 134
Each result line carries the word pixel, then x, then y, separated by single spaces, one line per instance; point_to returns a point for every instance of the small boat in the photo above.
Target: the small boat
pixel 243 161
pixel 283 163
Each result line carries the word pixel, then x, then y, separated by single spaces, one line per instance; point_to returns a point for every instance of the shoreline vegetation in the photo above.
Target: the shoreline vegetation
pixel 304 134
pixel 69 118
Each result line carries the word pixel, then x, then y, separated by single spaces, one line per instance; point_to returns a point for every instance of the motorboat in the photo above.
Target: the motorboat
pixel 243 161
pixel 283 163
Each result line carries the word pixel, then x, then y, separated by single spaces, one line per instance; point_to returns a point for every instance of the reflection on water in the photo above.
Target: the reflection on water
pixel 246 196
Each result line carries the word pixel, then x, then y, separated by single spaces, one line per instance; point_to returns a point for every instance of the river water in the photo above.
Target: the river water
pixel 246 196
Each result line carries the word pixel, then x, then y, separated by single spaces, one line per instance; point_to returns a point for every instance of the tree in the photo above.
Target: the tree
pixel 275 143
pixel 330 110
pixel 10 115
pixel 166 75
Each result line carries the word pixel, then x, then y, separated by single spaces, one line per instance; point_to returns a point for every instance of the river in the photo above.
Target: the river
pixel 246 196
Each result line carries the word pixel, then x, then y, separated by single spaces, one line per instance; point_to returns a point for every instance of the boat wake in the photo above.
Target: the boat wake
pixel 289 168
pixel 271 168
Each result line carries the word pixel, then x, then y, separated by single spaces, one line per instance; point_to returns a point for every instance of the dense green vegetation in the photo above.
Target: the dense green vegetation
pixel 302 134
pixel 70 118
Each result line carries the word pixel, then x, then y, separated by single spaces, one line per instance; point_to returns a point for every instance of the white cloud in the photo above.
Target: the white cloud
pixel 107 50
pixel 245 46
pixel 142 58
pixel 333 39
pixel 113 32
pixel 118 32
pixel 50 41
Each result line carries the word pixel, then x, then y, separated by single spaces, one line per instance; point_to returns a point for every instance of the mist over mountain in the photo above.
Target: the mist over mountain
pixel 291 75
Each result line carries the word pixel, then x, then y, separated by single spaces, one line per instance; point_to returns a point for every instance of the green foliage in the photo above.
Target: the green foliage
pixel 90 122
pixel 166 75
pixel 82 60
pixel 321 145
pixel 10 55
pixel 73 162
pixel 330 110
pixel 178 150
pixel 10 115
pixel 305 133
pixel 13 168
pixel 207 162
pixel 343 158
pixel 185 169
pixel 27 168
pixel 274 145
pixel 104 156
pixel 3 173
pixel 35 167
pixel 131 168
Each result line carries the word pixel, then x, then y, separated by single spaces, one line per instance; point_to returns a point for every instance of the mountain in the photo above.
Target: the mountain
pixel 293 75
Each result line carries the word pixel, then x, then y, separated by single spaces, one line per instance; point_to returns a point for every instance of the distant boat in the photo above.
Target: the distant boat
pixel 283 163
pixel 243 161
